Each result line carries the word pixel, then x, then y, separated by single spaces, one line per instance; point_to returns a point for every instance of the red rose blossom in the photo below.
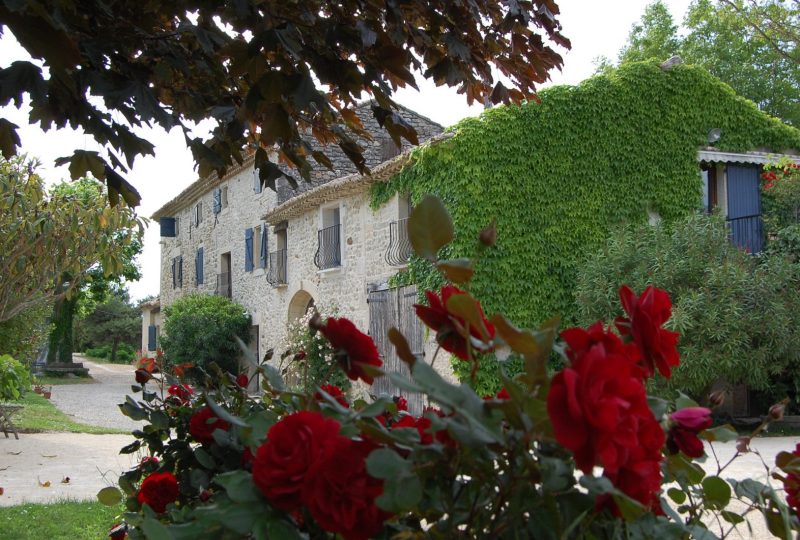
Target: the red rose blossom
pixel 182 392
pixel 401 403
pixel 791 484
pixel 686 424
pixel 158 490
pixel 203 423
pixel 646 317
pixel 293 444
pixel 335 392
pixel 422 425
pixel 340 494
pixel 142 376
pixel 353 348
pixel 598 404
pixel 450 329
pixel 242 380
pixel 118 532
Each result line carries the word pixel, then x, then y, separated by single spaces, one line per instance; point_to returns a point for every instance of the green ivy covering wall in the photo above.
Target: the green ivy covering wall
pixel 559 174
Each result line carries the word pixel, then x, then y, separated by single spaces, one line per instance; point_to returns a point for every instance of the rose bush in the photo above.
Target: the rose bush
pixel 582 453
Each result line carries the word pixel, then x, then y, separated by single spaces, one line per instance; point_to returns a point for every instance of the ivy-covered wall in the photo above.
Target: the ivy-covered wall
pixel 559 174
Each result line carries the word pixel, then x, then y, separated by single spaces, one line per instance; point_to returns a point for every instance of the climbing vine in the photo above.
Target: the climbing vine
pixel 558 175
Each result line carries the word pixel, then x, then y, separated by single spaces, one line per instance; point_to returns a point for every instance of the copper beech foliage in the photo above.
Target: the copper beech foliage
pixel 272 75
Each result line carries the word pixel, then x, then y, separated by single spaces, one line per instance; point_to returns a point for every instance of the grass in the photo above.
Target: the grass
pixel 61 520
pixel 38 414
pixel 57 381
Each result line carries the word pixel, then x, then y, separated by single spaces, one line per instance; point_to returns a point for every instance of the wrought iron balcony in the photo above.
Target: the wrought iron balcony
pixel 276 272
pixel 329 248
pixel 399 250
pixel 747 232
pixel 224 285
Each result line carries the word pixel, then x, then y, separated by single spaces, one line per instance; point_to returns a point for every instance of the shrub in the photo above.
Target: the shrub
pixel 23 336
pixel 14 378
pixel 102 352
pixel 200 329
pixel 738 315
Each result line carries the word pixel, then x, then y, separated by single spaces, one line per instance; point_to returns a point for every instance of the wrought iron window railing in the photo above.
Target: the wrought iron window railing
pixel 223 285
pixel 747 232
pixel 399 250
pixel 329 249
pixel 276 271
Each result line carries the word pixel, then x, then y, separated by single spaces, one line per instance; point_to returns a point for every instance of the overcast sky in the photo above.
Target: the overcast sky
pixel 594 27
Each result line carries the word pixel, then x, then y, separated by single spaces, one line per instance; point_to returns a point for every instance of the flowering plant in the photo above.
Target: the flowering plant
pixel 584 453
pixel 781 193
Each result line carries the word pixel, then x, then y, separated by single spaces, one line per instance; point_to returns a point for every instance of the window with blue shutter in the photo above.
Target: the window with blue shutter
pixel 151 337
pixel 264 251
pixel 180 271
pixel 256 181
pixel 198 266
pixel 216 200
pixel 248 250
pixel 167 225
pixel 174 274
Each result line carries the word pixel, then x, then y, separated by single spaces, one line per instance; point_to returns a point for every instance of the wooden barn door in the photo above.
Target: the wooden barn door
pixel 395 308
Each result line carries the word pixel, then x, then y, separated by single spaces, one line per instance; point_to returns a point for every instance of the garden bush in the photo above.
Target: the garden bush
pixel 738 315
pixel 584 453
pixel 15 379
pixel 200 329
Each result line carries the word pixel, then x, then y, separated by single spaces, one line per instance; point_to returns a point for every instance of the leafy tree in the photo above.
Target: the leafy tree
pixel 113 322
pixel 46 237
pixel 23 335
pixel 776 22
pixel 200 329
pixel 95 283
pixel 270 74
pixel 739 317
pixel 655 36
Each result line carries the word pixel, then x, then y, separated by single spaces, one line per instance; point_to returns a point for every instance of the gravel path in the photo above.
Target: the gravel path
pixel 96 404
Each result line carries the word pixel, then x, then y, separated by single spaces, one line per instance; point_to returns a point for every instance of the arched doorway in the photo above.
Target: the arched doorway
pixel 299 305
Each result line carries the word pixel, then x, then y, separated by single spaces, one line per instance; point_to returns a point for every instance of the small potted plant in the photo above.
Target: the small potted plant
pixel 47 393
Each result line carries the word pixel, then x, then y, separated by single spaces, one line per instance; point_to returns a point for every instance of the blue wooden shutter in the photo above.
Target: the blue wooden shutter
pixel 256 181
pixel 216 199
pixel 744 208
pixel 248 250
pixel 174 274
pixel 167 225
pixel 264 251
pixel 151 337
pixel 180 271
pixel 198 266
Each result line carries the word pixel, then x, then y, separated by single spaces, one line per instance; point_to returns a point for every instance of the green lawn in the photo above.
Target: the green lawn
pixel 62 520
pixel 56 381
pixel 39 414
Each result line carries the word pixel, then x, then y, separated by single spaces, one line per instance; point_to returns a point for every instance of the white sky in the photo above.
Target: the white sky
pixel 595 27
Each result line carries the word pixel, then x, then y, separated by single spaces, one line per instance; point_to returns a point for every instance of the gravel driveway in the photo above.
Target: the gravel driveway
pixel 96 404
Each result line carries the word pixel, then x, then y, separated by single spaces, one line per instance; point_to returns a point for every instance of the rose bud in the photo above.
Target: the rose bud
pixel 488 236
pixel 687 423
pixel 142 376
pixel 242 380
pixel 777 410
pixel 743 445
pixel 716 398
pixel 205 495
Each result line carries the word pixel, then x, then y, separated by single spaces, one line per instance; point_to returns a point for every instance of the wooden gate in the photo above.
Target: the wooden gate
pixel 388 308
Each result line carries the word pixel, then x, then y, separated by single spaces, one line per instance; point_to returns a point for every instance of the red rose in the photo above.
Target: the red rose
pixel 335 392
pixel 451 329
pixel 148 460
pixel 203 423
pixel 293 444
pixel 243 380
pixel 422 425
pixel 182 392
pixel 401 403
pixel 791 484
pixel 142 376
pixel 686 424
pixel 353 348
pixel 598 404
pixel 340 494
pixel 158 490
pixel 118 532
pixel 647 314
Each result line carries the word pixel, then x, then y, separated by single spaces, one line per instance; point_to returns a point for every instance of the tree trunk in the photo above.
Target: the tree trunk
pixel 60 341
pixel 114 345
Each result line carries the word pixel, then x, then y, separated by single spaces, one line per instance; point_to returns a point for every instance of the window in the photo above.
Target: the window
pixel 177 272
pixel 329 248
pixel 248 250
pixel 177 226
pixel 399 250
pixel 216 201
pixel 260 245
pixel 276 275
pixel 197 215
pixel 198 266
pixel 224 199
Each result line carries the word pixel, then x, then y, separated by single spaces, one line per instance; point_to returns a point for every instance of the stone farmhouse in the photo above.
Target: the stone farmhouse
pixel 278 253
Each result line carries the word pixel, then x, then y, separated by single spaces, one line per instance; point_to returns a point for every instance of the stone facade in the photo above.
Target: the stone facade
pixel 364 238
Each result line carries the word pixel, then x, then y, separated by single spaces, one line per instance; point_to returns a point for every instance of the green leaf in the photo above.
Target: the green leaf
pixel 732 517
pixel 84 161
pixel 386 463
pixel 717 491
pixel 720 434
pixel 222 413
pixel 466 307
pixel 204 458
pixel 9 138
pixel 684 402
pixel 677 495
pixel 429 227
pixel 155 530
pixel 239 486
pixel 159 420
pixel 376 408
pixel 456 270
pixel 401 346
pixel 109 496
